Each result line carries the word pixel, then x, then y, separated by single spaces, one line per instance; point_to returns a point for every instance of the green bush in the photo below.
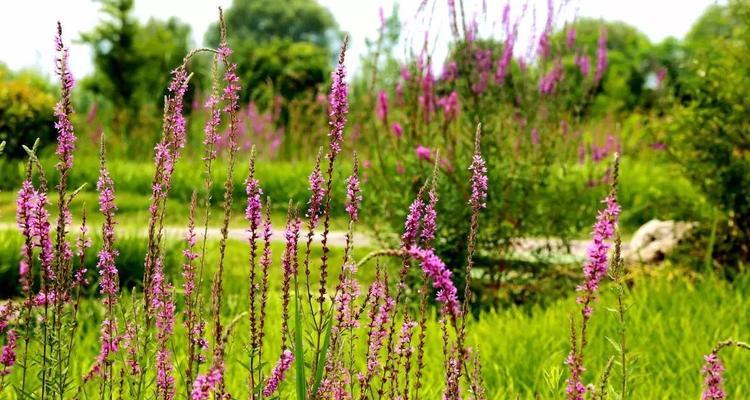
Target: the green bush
pixel 26 105
pixel 708 130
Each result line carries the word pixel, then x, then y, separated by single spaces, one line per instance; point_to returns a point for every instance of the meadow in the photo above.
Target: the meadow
pixel 358 235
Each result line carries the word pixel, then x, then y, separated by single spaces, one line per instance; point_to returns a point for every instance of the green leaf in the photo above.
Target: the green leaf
pixel 322 355
pixel 299 352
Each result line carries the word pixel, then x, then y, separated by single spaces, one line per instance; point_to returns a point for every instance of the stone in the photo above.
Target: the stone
pixel 654 240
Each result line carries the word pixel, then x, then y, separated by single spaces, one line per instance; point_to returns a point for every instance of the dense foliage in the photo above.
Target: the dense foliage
pixel 707 130
pixel 25 103
pixel 283 47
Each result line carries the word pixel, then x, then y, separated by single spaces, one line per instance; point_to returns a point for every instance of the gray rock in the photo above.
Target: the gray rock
pixel 655 239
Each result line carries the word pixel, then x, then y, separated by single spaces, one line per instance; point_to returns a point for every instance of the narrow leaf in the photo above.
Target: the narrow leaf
pixel 299 352
pixel 322 355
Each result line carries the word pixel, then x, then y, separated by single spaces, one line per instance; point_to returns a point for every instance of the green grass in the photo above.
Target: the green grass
pixel 675 318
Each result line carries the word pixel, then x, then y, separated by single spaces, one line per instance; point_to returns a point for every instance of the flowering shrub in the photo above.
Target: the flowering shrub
pixel 532 103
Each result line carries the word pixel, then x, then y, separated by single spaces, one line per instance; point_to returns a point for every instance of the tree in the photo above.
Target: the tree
pixel 284 44
pixel 628 66
pixel 130 60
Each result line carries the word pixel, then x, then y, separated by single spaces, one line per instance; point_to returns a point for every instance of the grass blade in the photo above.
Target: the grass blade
pixel 299 352
pixel 322 355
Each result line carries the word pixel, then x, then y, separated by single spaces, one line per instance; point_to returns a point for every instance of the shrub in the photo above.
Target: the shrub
pixel 25 111
pixel 708 130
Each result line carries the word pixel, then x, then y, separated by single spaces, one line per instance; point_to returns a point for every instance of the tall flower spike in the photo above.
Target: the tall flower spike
pixel 108 285
pixel 412 224
pixel 381 109
pixel 595 268
pixel 278 373
pixel 317 191
pixel 65 136
pixel 353 192
pixel 434 269
pixel 338 103
pixel 713 371
pixel 478 176
pixel 289 267
pixel 24 219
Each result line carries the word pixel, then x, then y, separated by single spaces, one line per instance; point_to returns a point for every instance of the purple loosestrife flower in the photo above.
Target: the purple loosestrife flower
pixel 478 182
pixel 317 191
pixel 404 338
pixel 6 313
pixel 129 344
pixel 601 56
pixel 450 106
pixel 429 221
pixel 277 375
pixel 575 389
pixel 8 354
pixel 398 130
pixel 570 37
pixel 205 384
pixel 108 285
pixel 503 63
pixel 377 334
pixel 65 136
pixel 82 244
pixel 544 38
pixel 163 305
pixel 211 137
pixel 583 61
pixel 339 104
pixel 483 64
pixel 413 219
pixel 713 383
pixel 188 269
pixel 423 153
pixel 345 317
pixel 353 193
pixel 452 377
pixel 254 208
pixel 434 269
pixel 427 97
pixel 24 219
pixel 381 108
pixel 41 230
pixel 450 72
pixel 110 343
pixel 595 267
pixel 548 83
pixel 405 73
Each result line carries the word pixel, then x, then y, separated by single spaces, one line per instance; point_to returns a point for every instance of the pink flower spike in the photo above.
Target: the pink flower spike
pixel 277 375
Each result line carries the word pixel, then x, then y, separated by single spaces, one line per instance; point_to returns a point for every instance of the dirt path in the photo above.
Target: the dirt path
pixel 522 248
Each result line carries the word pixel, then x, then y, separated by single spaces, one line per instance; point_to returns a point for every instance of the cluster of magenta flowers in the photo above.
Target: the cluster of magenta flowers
pixel 594 270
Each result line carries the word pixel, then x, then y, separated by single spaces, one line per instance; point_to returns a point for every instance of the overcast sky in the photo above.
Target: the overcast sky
pixel 27 26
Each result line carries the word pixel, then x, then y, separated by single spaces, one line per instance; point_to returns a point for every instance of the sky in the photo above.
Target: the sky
pixel 27 26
